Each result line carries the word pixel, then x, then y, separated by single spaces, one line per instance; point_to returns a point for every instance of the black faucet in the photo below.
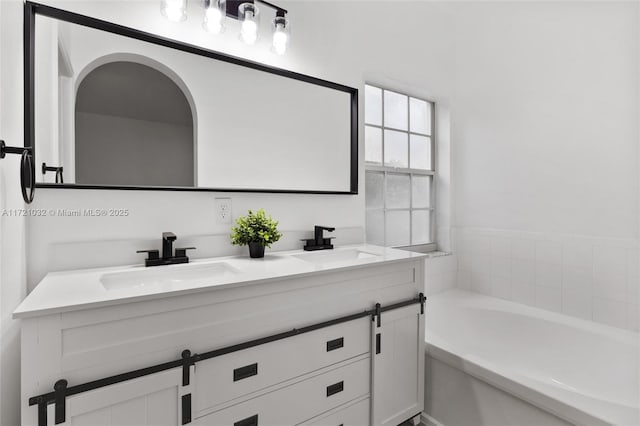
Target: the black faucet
pixel 167 244
pixel 319 242
pixel 168 257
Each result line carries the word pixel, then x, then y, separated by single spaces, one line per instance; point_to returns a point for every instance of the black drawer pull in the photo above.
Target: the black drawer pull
pixel 186 409
pixel 249 421
pixel 378 343
pixel 336 388
pixel 244 372
pixel 332 345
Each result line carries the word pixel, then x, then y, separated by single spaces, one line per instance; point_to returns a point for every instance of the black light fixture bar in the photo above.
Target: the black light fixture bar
pixel 279 11
pixel 234 5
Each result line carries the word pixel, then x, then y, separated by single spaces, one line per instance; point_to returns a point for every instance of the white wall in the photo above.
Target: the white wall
pixel 546 155
pixel 12 241
pixel 546 130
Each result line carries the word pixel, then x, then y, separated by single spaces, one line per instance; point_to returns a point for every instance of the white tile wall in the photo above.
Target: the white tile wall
pixel 591 278
pixel 441 272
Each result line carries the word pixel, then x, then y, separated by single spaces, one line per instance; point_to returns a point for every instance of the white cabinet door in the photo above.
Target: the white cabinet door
pixel 397 366
pixel 152 400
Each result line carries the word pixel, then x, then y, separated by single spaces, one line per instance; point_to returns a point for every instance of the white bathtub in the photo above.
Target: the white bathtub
pixel 580 371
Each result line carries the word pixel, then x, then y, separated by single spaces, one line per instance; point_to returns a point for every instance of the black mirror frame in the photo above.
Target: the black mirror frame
pixel 32 9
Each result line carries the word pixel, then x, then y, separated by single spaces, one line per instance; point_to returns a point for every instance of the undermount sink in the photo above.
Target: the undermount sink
pixel 336 256
pixel 165 276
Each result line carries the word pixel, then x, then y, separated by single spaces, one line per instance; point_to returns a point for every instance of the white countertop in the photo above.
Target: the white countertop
pixel 91 288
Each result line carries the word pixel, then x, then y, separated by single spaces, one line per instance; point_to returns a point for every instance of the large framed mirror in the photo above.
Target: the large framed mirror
pixel 111 107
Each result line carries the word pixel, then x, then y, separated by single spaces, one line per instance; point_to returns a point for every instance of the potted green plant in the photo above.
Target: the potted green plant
pixel 257 230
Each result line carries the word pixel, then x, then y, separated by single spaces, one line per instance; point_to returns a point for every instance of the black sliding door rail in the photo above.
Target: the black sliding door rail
pixel 31 9
pixel 61 390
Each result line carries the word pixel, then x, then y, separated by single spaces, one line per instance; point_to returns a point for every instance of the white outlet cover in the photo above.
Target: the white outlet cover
pixel 223 210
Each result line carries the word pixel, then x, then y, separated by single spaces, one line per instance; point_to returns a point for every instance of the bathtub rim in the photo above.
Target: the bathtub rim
pixel 513 387
pixel 501 379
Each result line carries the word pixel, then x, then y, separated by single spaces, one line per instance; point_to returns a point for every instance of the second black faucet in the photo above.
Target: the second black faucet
pixel 319 242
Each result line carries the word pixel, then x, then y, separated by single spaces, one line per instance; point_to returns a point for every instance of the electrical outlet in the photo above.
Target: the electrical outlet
pixel 223 210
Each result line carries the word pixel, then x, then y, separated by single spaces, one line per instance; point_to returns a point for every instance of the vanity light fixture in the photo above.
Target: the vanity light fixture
pixel 174 10
pixel 215 12
pixel 246 12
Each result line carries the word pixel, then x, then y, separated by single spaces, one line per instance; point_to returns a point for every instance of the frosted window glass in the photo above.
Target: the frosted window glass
pixel 398 191
pixel 420 227
pixel 375 227
pixel 374 185
pixel 420 116
pixel 372 145
pixel 421 191
pixel 372 105
pixel 397 228
pixel 396 151
pixel 395 110
pixel 420 155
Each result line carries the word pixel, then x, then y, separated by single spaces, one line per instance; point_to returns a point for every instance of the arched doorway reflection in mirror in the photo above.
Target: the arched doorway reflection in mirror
pixel 133 126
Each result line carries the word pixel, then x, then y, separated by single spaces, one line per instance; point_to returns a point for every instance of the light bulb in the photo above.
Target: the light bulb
pixel 281 37
pixel 213 20
pixel 249 31
pixel 248 15
pixel 174 10
pixel 173 14
pixel 214 16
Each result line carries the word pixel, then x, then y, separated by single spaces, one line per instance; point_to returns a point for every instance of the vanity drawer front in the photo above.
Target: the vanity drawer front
pixel 353 415
pixel 298 402
pixel 228 377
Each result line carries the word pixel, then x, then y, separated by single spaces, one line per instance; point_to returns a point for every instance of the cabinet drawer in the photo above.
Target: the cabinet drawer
pixel 354 415
pixel 223 379
pixel 298 402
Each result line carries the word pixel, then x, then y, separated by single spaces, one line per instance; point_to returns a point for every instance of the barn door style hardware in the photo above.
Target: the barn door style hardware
pixel 61 390
pixel 27 169
pixel 376 313
pixel 187 362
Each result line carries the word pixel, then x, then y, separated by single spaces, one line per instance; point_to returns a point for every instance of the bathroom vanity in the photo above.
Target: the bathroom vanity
pixel 314 338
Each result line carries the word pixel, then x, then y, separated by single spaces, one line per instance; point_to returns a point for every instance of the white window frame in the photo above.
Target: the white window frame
pixel 387 170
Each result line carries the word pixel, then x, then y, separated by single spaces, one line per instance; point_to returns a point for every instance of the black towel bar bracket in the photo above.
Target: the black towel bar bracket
pixel 58 171
pixel 61 390
pixel 27 169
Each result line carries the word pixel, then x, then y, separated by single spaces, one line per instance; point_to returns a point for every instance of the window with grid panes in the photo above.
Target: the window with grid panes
pixel 400 168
